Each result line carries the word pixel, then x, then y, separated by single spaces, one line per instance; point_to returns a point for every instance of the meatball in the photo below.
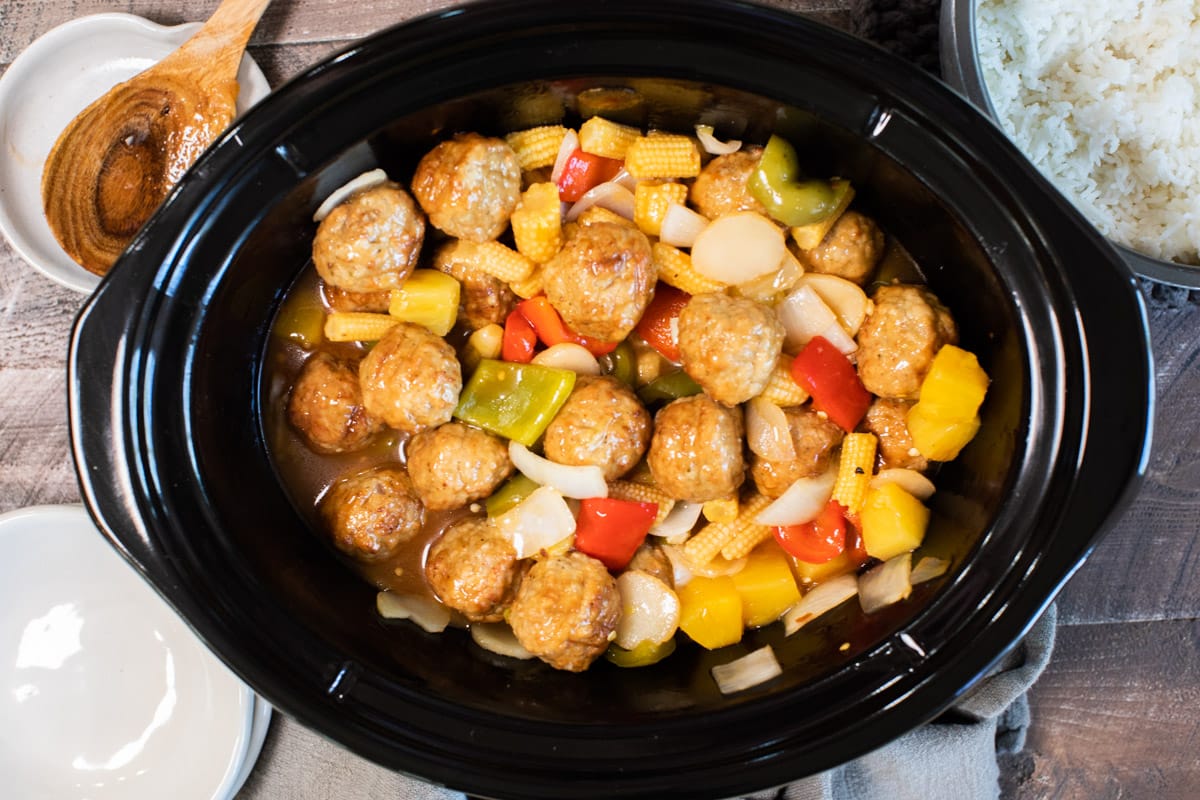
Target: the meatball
pixel 602 423
pixel 651 559
pixel 888 420
pixel 340 299
pixel 720 188
pixel 454 464
pixel 815 439
pixel 696 451
pixel 485 299
pixel 566 610
pixel 326 406
pixel 850 250
pixel 899 338
pixel 602 280
pixel 371 513
pixel 473 569
pixel 370 242
pixel 729 345
pixel 411 379
pixel 469 186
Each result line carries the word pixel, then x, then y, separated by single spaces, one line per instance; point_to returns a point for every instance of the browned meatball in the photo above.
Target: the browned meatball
pixel 888 419
pixel 371 513
pixel 651 559
pixel 602 423
pixel 566 610
pixel 602 280
pixel 899 339
pixel 341 300
pixel 850 250
pixel 326 406
pixel 729 345
pixel 455 464
pixel 485 299
pixel 469 186
pixel 696 451
pixel 473 569
pixel 411 379
pixel 720 188
pixel 815 439
pixel 371 241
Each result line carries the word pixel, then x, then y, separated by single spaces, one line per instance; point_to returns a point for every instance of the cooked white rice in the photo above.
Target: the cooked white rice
pixel 1102 96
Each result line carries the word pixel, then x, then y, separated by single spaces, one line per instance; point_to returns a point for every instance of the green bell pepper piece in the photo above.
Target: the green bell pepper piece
pixel 515 401
pixel 621 364
pixel 514 490
pixel 645 654
pixel 775 183
pixel 671 386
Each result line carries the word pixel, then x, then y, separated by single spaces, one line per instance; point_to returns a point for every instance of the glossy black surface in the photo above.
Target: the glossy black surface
pixel 166 379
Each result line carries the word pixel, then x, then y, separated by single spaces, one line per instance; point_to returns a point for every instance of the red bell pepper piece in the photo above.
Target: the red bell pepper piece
pixel 659 326
pixel 519 339
pixel 584 171
pixel 551 329
pixel 821 370
pixel 612 530
pixel 818 541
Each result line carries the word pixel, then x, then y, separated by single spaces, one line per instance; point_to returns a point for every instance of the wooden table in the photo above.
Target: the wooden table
pixel 1117 713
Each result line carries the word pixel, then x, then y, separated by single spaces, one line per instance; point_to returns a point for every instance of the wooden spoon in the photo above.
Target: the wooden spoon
pixel 114 164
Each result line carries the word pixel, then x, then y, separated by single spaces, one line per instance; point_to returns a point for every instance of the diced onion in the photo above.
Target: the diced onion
pixel 613 196
pixel 432 616
pixel 804 315
pixel 927 569
pixel 498 638
pixel 738 247
pixel 678 523
pixel 537 523
pixel 802 502
pixel 845 299
pixel 887 583
pixel 713 145
pixel 823 597
pixel 747 671
pixel 367 180
pixel 681 572
pixel 623 178
pixel 717 567
pixel 570 144
pixel 580 482
pixel 681 226
pixel 570 356
pixel 909 480
pixel 649 610
pixel 771 288
pixel 768 434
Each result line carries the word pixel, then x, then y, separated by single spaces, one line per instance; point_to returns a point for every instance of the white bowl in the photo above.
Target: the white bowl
pixel 55 78
pixel 104 692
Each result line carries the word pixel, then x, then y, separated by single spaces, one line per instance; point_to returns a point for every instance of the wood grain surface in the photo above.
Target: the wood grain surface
pixel 1117 713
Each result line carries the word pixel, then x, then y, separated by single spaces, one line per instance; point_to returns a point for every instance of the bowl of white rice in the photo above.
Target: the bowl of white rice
pixel 1103 98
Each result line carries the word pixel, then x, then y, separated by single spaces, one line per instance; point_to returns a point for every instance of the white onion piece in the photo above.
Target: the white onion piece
pixel 579 482
pixel 804 315
pixel 623 178
pixel 717 567
pixel 802 502
pixel 570 144
pixel 909 480
pixel 613 196
pixel 674 529
pixel 537 523
pixel 770 288
pixel 823 597
pixel 498 638
pixel 649 610
pixel 432 616
pixel 845 299
pixel 713 145
pixel 747 671
pixel 681 226
pixel 887 583
pixel 570 356
pixel 927 569
pixel 768 434
pixel 738 247
pixel 681 573
pixel 367 180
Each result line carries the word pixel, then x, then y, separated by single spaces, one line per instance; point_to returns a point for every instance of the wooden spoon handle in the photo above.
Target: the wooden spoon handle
pixel 217 47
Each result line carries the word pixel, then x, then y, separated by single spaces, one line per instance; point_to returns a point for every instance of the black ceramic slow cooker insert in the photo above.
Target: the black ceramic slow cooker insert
pixel 166 389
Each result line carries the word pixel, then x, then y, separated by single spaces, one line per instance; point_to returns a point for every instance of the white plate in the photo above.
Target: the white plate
pixel 55 78
pixel 105 694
